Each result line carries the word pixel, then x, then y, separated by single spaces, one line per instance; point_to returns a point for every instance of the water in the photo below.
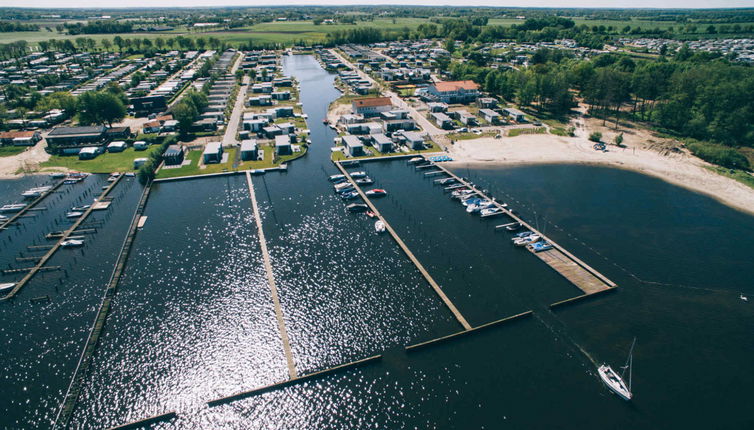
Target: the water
pixel 193 318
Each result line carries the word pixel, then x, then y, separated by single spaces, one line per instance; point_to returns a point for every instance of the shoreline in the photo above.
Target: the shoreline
pixel 681 169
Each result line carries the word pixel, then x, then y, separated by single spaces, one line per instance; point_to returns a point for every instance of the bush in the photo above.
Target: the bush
pixel 595 137
pixel 720 155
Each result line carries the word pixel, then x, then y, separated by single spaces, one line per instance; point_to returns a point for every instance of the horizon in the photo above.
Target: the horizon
pixel 535 4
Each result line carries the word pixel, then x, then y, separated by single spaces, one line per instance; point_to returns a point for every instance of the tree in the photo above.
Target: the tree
pixel 101 107
pixel 619 140
pixel 118 41
pixel 184 113
pixel 106 44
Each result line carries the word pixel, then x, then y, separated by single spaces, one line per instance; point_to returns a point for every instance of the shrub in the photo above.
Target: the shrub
pixel 595 136
pixel 720 155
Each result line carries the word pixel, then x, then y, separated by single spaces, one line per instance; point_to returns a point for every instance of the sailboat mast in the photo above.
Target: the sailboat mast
pixel 629 363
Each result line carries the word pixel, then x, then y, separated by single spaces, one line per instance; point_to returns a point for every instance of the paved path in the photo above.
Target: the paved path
pixel 229 138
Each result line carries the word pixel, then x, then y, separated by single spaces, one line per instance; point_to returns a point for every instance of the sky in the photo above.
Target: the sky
pixel 500 3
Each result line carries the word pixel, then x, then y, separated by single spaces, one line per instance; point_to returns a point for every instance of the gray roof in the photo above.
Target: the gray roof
pixel 76 131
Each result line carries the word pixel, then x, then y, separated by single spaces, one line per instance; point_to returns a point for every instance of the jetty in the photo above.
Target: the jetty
pixel 30 206
pixel 580 274
pixel 271 282
pixel 77 381
pixel 43 260
pixel 456 313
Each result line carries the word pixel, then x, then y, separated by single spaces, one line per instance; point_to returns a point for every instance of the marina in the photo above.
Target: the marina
pixel 275 301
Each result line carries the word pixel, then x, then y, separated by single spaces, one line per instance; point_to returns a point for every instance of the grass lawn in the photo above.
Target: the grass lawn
pixel 194 169
pixel 7 151
pixel 104 163
pixel 469 136
pixel 739 175
pixel 513 132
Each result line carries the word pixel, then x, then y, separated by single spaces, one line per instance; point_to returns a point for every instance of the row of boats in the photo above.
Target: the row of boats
pixel 347 191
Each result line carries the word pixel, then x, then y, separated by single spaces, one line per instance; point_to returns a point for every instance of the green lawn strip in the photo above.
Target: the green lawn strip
pixel 7 151
pixel 104 163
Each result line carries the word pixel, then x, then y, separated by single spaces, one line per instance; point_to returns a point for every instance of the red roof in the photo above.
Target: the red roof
pixel 15 134
pixel 449 86
pixel 151 124
pixel 372 102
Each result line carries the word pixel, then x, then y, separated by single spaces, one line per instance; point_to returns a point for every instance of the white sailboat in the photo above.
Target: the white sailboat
pixel 616 382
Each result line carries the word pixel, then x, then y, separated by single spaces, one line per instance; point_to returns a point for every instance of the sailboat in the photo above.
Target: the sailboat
pixel 616 382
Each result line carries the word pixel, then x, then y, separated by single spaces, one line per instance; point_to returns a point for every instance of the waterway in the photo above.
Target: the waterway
pixel 193 318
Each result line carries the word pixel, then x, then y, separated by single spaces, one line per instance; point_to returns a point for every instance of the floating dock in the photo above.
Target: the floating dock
pixel 77 381
pixel 271 282
pixel 580 274
pixel 33 270
pixel 408 252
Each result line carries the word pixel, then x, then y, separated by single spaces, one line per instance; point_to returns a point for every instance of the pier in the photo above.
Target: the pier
pixel 30 206
pixel 407 251
pixel 42 261
pixel 580 274
pixel 271 282
pixel 77 380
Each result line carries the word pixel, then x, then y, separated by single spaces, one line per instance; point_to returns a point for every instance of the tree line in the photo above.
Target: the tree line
pixel 7 27
pixel 697 95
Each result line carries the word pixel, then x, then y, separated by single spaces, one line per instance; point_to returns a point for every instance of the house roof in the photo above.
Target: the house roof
pixel 449 86
pixel 16 134
pixel 76 131
pixel 372 102
pixel 151 124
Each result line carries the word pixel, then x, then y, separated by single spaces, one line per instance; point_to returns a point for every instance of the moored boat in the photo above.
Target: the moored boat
pixel 80 208
pixel 365 181
pixel 416 160
pixel 73 214
pixel 377 192
pixel 13 207
pixel 379 226
pixel 350 195
pixel 491 211
pixel 539 246
pixel 71 243
pixel 6 286
pixel 357 207
pixel 337 178
pixel 357 175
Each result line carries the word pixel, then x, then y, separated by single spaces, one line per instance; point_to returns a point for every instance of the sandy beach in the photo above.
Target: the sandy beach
pixel 662 158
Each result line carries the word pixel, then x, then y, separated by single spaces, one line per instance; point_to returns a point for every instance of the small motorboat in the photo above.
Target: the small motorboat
pixel 3 218
pixel 461 194
pixel 73 214
pixel 325 121
pixel 35 192
pixel 13 207
pixel 59 175
pixel 357 175
pixel 471 201
pixel 513 227
pixel 478 207
pixel 539 246
pixel 337 178
pixel 80 208
pixel 71 243
pixel 522 234
pixel 744 298
pixel 447 181
pixel 371 214
pixel 6 286
pixel 130 174
pixel 342 186
pixel 491 211
pixel 415 160
pixel 379 226
pixel 349 195
pixel 377 192
pixel 523 241
pixel 365 181
pixel 357 207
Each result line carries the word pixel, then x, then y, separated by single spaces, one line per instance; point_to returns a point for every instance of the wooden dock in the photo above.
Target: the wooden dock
pixel 33 271
pixel 408 252
pixel 146 422
pixel 29 207
pixel 271 282
pixel 363 361
pixel 77 380
pixel 579 273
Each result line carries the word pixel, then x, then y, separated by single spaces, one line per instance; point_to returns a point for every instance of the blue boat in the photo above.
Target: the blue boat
pixel 540 246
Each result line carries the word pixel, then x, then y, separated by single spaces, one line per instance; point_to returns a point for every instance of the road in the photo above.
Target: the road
pixel 229 138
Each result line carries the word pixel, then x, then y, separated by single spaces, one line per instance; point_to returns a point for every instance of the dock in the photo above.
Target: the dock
pixel 30 206
pixel 77 380
pixel 271 282
pixel 580 274
pixel 456 313
pixel 42 261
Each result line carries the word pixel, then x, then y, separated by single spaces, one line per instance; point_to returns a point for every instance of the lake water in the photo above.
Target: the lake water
pixel 193 319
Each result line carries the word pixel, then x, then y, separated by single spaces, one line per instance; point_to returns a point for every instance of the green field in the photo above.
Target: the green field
pixel 284 32
pixel 104 163
pixel 9 150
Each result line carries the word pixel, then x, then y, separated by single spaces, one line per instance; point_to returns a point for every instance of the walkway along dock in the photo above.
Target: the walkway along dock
pixel 408 252
pixel 271 282
pixel 583 276
pixel 29 207
pixel 20 284
pixel 77 381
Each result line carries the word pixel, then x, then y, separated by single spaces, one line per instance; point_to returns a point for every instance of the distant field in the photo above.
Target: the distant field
pixel 271 32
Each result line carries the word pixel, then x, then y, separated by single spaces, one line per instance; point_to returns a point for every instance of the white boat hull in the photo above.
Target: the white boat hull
pixel 614 382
